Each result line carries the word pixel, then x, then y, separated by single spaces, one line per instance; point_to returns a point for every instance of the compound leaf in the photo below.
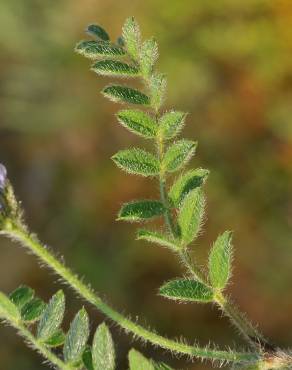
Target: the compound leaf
pixel 56 340
pixel 148 56
pixel 185 183
pixel 186 290
pixel 132 37
pixel 138 362
pixel 171 123
pixel 138 122
pixel 76 338
pixel 220 260
pixel 114 68
pixel 178 154
pixel 141 210
pixel 32 310
pixel 21 296
pixel 97 31
pixel 125 94
pixel 52 316
pixel 103 352
pixel 137 161
pixel 191 216
pixel 156 238
pixel 96 49
pixel 8 308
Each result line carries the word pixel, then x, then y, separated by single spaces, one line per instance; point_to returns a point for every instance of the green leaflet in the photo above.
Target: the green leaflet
pixel 186 290
pixel 56 340
pixel 191 216
pixel 137 161
pixel 114 68
pixel 148 56
pixel 185 183
pixel 132 37
pixel 220 261
pixel 87 358
pixel 156 238
pixel 171 123
pixel 97 31
pixel 76 339
pixel 178 154
pixel 96 49
pixel 103 351
pixel 8 308
pixel 125 94
pixel 158 84
pixel 21 295
pixel 32 310
pixel 52 317
pixel 141 210
pixel 138 362
pixel 138 122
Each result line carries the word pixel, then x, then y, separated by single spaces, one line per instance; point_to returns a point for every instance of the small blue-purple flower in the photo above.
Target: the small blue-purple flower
pixel 3 176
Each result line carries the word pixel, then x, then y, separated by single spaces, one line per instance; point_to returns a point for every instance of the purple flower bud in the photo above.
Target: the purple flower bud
pixel 3 175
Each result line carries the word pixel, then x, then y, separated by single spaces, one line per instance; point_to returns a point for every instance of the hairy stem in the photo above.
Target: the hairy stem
pixel 19 232
pixel 36 344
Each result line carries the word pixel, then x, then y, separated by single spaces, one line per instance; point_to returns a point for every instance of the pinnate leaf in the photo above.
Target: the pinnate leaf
pixel 97 31
pixel 114 68
pixel 156 238
pixel 138 122
pixel 137 161
pixel 56 340
pixel 220 260
pixel 76 338
pixel 21 296
pixel 171 123
pixel 132 37
pixel 178 154
pixel 186 290
pixel 125 94
pixel 141 210
pixel 8 308
pixel 32 310
pixel 52 317
pixel 185 183
pixel 148 56
pixel 138 362
pixel 103 351
pixel 191 216
pixel 96 49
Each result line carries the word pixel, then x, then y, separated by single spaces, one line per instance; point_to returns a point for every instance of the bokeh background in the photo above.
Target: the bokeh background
pixel 229 63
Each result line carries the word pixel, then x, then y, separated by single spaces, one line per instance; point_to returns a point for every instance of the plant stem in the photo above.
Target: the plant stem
pixel 19 233
pixel 37 345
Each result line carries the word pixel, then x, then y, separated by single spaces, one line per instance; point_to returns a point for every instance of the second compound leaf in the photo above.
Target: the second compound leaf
pixel 103 351
pixel 76 338
pixel 52 317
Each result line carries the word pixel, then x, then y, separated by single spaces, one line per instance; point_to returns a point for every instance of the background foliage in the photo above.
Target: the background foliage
pixel 229 64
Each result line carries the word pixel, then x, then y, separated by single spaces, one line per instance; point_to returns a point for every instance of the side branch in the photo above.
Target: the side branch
pixel 19 233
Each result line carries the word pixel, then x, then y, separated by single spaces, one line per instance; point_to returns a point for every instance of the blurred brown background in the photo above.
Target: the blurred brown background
pixel 229 63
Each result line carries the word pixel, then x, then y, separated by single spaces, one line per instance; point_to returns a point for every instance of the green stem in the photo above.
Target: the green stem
pixel 37 345
pixel 19 232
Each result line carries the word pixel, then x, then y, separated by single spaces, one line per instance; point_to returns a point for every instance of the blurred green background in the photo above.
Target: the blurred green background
pixel 229 63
